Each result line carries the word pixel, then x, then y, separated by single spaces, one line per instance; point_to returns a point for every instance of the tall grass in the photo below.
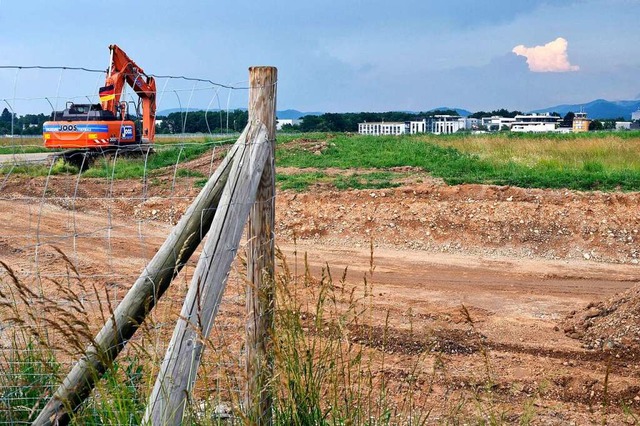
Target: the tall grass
pixel 614 151
pixel 322 376
pixel 28 376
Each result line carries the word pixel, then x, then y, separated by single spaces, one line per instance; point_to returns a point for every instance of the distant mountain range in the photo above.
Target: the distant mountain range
pixel 600 108
pixel 286 114
pixel 294 114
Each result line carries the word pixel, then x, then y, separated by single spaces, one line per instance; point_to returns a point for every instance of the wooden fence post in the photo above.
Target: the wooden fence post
pixel 179 367
pixel 261 257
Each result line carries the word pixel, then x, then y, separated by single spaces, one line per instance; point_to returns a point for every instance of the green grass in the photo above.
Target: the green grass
pixel 587 161
pixel 321 378
pixel 189 173
pixel 167 153
pixel 128 168
pixel 25 376
pixel 604 162
pixel 121 399
pixel 302 181
pixel 33 373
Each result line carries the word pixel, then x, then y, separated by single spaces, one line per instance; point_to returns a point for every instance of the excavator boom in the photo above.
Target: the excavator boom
pixel 123 70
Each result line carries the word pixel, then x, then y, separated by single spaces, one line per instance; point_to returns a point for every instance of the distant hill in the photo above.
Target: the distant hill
pixel 286 114
pixel 294 114
pixel 460 111
pixel 600 108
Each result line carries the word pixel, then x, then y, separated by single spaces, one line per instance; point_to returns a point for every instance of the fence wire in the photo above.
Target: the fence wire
pixel 73 242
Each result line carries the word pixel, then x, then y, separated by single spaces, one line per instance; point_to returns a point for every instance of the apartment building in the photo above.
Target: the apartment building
pixel 445 124
pixel 392 128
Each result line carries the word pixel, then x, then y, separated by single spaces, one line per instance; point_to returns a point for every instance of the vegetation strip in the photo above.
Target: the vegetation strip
pixel 608 163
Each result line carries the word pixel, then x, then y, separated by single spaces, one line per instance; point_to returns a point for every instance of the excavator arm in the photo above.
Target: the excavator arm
pixel 122 70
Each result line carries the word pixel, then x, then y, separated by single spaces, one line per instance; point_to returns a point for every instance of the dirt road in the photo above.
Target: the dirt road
pixel 518 260
pixel 39 157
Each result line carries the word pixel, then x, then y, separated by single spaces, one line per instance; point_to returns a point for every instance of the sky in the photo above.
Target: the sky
pixel 331 55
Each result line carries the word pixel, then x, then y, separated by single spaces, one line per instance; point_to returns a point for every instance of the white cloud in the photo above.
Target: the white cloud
pixel 552 57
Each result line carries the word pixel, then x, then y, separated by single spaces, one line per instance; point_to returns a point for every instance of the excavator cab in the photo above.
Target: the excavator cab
pixel 82 112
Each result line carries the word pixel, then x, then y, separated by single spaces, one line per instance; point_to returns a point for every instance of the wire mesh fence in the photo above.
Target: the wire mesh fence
pixel 73 240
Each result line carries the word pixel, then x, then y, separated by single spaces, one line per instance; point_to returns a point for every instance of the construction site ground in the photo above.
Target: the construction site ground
pixel 501 300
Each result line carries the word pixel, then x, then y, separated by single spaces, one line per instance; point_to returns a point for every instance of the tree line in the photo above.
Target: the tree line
pixel 202 122
pixel 234 121
pixel 174 123
pixel 348 121
pixel 28 124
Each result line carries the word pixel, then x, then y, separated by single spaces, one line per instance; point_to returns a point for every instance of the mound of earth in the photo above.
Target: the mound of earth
pixel 610 325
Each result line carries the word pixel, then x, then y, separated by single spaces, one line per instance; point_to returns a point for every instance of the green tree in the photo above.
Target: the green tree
pixel 567 121
pixel 596 125
pixel 499 112
pixel 5 117
pixel 311 123
pixel 290 128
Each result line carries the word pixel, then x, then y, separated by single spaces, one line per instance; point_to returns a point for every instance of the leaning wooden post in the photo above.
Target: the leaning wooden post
pixel 261 257
pixel 141 298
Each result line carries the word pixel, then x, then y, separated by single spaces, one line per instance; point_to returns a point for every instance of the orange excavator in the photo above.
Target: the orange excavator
pixel 88 130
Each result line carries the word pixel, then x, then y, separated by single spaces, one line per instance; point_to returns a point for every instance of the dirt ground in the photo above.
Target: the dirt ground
pixel 534 269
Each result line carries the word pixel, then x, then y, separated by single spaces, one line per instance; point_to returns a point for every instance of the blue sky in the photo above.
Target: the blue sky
pixel 332 55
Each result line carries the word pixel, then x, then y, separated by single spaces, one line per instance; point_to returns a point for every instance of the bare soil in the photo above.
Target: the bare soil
pixel 519 303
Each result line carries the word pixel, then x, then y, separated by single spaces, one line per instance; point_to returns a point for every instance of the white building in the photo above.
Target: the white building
pixel 623 125
pixel 418 127
pixel 392 128
pixel 635 115
pixel 446 124
pixel 536 123
pixel 472 123
pixel 291 121
pixel 496 123
pixel 382 128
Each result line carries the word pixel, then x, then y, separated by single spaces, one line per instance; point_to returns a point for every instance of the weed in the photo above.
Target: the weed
pixel 189 173
pixel 323 376
pixel 299 181
pixel 27 379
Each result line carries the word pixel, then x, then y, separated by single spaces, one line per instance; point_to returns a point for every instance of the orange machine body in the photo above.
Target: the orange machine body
pixel 107 124
pixel 89 133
